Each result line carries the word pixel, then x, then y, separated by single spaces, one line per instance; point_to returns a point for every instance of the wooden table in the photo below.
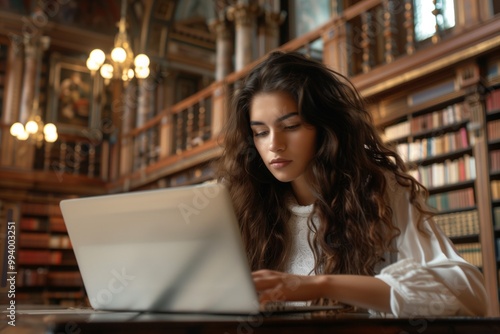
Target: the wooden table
pixel 78 321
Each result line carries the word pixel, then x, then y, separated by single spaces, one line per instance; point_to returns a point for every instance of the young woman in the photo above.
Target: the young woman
pixel 327 211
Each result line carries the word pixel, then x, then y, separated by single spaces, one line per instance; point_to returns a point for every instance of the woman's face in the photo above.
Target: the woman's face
pixel 284 141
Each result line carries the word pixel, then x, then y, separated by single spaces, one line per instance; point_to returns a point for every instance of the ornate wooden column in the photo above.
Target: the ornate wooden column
pixel 268 31
pixel 144 104
pixel 224 47
pixel 13 85
pixel 31 49
pixel 468 78
pixel 127 111
pixel 244 14
pixel 34 46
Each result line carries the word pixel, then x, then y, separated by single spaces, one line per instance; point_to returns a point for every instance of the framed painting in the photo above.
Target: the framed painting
pixel 72 104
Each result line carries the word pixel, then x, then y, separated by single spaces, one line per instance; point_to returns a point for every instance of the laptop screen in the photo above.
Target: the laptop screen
pixel 167 250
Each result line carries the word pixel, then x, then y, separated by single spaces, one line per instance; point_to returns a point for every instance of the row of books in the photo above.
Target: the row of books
pixel 453 200
pixel 459 224
pixel 493 101
pixel 424 148
pixel 447 172
pixel 33 224
pixel 43 240
pixel 32 277
pixel 65 278
pixel 495 161
pixel 471 252
pixel 42 209
pixel 493 128
pixel 496 217
pixel 495 189
pixel 450 115
pixel 57 224
pixel 52 224
pixel 45 257
pixel 39 257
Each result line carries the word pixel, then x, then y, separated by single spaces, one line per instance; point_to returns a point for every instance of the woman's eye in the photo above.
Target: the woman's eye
pixel 259 134
pixel 292 127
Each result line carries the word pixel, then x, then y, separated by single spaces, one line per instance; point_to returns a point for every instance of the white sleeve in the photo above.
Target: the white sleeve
pixel 429 278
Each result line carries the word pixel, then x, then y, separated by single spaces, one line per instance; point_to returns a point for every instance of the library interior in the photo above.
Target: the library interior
pixel 109 97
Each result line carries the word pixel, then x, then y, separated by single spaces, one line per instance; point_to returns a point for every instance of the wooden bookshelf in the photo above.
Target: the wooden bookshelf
pixel 492 119
pixel 47 271
pixel 439 145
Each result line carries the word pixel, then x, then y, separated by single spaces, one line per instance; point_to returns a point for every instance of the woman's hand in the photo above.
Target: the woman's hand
pixel 275 286
pixel 362 291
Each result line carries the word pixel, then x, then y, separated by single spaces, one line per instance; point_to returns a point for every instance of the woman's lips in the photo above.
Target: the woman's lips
pixel 280 163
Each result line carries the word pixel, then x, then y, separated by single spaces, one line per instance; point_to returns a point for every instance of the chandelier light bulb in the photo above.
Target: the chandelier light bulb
pixel 124 75
pixel 97 56
pixel 49 129
pixel 92 65
pixel 107 71
pixel 23 135
pixel 16 129
pixel 130 74
pixel 141 60
pixel 31 127
pixel 118 55
pixel 142 72
pixel 50 138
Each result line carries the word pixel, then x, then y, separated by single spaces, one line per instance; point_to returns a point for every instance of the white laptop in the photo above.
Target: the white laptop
pixel 168 250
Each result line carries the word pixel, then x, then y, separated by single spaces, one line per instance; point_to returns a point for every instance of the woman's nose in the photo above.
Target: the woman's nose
pixel 277 143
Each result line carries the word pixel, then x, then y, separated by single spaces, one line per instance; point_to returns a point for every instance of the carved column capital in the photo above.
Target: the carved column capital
pixel 220 28
pixel 243 14
pixel 33 46
pixel 474 102
pixel 274 19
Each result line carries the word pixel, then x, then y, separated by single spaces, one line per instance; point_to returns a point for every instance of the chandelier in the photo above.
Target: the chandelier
pixel 35 130
pixel 120 64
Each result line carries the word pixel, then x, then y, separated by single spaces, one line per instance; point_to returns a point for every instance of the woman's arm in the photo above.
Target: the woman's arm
pixel 361 291
pixel 429 278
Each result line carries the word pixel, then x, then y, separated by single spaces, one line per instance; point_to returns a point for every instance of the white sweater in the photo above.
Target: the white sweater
pixel 427 277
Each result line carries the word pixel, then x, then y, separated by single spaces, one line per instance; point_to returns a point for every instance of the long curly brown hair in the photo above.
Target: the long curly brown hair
pixel 348 172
